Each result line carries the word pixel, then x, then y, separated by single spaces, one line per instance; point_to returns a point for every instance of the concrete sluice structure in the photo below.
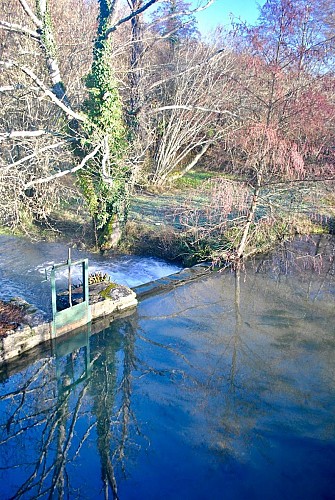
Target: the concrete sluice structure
pixel 106 301
pixel 35 330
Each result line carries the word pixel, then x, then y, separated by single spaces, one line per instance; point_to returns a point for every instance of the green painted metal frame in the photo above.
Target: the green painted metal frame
pixel 73 314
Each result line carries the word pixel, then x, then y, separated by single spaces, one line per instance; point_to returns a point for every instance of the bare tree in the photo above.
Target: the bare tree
pixel 52 123
pixel 195 114
pixel 35 139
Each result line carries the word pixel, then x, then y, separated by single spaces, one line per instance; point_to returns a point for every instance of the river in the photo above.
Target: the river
pixel 222 388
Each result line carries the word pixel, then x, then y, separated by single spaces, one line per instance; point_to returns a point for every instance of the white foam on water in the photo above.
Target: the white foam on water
pixel 23 265
pixel 130 271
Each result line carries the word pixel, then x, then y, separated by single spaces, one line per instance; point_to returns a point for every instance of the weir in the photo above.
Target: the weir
pixel 89 303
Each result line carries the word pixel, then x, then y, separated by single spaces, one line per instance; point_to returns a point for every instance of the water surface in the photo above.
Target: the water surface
pixel 220 388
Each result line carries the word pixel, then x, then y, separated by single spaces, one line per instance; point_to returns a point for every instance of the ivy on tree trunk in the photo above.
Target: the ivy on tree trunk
pixel 104 183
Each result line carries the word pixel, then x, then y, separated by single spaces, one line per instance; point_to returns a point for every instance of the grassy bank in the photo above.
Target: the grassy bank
pixel 184 223
pixel 178 224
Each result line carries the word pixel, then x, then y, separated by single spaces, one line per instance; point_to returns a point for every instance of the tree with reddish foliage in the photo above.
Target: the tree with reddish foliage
pixel 284 87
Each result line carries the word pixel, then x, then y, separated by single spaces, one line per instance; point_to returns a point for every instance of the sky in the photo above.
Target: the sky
pixel 219 13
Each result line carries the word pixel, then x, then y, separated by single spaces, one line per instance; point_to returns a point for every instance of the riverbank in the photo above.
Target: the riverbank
pixel 23 326
pixel 187 225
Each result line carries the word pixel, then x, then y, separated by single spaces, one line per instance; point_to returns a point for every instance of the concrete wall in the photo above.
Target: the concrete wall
pixel 26 337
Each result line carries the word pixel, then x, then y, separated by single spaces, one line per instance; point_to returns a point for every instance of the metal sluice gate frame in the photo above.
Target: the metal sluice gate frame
pixel 74 314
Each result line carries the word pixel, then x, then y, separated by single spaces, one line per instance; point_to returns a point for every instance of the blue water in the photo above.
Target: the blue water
pixel 222 388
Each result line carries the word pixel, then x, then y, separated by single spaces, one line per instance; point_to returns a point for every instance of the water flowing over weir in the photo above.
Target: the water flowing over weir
pixel 221 388
pixel 22 266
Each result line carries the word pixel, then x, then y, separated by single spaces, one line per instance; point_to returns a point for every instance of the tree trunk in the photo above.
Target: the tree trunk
pixel 135 73
pixel 192 163
pixel 250 219
pixel 48 43
pixel 110 234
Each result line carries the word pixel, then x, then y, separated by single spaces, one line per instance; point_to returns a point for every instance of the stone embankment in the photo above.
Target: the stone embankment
pixel 23 327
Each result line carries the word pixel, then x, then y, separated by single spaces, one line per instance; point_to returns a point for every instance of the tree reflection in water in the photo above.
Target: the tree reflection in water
pixel 63 402
pixel 196 394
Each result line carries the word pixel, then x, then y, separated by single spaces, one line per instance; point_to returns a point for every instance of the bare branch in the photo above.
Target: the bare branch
pixel 187 70
pixel 30 13
pixel 145 7
pixel 182 13
pixel 7 88
pixel 33 155
pixel 129 17
pixel 64 172
pixel 19 134
pixel 19 29
pixel 45 89
pixel 192 108
pixel 50 94
pixel 192 163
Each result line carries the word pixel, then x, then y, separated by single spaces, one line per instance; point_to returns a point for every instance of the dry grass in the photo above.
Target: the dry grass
pixel 10 317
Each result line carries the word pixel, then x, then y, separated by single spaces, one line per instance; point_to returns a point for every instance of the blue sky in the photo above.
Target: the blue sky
pixel 219 13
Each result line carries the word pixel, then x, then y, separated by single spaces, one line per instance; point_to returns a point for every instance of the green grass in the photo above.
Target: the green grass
pixel 193 179
pixel 162 209
pixel 154 223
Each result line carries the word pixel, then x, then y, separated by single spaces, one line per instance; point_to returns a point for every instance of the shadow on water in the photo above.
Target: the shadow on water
pixel 221 388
